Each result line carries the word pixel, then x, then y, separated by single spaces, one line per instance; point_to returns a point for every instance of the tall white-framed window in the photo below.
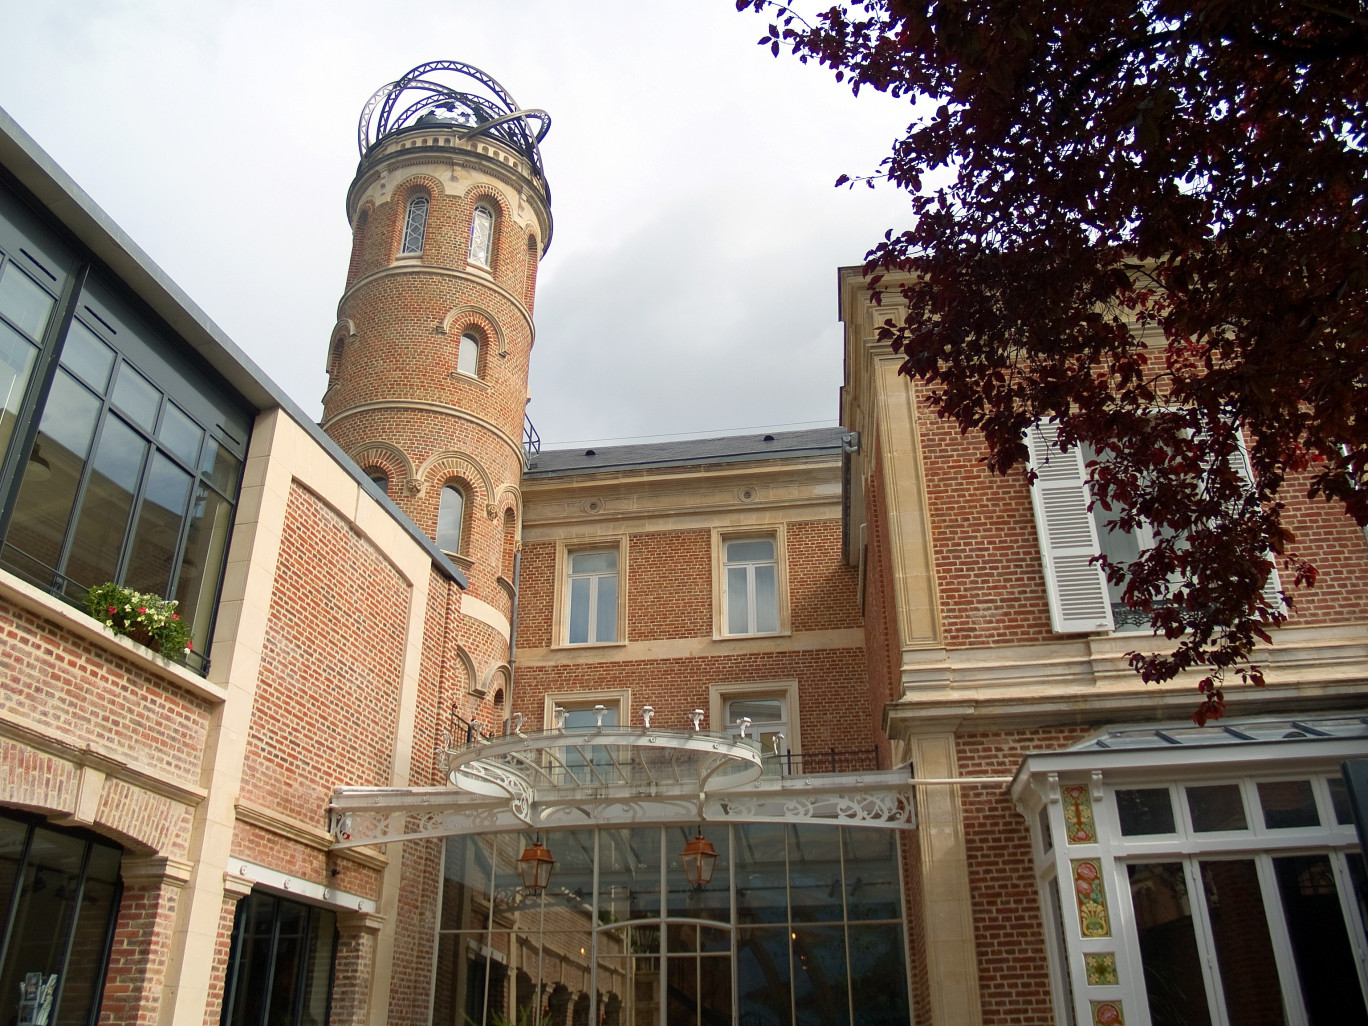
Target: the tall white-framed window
pixel 468 355
pixel 415 225
pixel 581 709
pixel 451 518
pixel 591 597
pixel 1072 535
pixel 481 234
pixel 1203 879
pixel 751 584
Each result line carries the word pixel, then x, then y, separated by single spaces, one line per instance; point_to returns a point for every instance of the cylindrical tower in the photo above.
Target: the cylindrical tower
pixel 428 362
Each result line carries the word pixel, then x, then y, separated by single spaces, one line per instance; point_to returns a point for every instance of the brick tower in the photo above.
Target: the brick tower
pixel 428 362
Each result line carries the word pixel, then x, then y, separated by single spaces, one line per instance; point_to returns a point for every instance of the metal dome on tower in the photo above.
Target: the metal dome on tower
pixel 418 99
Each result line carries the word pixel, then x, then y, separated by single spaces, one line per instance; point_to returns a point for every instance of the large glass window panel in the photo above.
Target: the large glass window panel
pixel 1174 985
pixel 450 519
pixel 211 522
pixel 816 889
pixel 763 976
pixel 13 841
pixel 751 585
pixel 713 899
pixel 878 975
pixel 48 493
pixel 181 435
pixel 761 873
pixel 17 356
pixel 280 967
pixel 1244 946
pixel 766 599
pixel 629 874
pixel 41 920
pixel 87 356
pixel 137 397
pixel 1145 811
pixel 1320 941
pixel 23 302
pixel 481 235
pixel 873 890
pixel 107 504
pixel 415 225
pixel 699 990
pixel 738 604
pixel 157 534
pixel 605 609
pixel 592 597
pixel 821 995
pixel 287 977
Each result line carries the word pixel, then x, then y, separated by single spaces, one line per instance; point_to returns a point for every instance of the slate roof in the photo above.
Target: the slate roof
pixel 687 452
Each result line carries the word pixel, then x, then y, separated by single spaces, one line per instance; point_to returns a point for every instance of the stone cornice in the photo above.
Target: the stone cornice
pixel 442 408
pixel 303 833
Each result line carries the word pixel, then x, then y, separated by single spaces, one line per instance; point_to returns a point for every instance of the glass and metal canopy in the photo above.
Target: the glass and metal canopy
pixel 608 775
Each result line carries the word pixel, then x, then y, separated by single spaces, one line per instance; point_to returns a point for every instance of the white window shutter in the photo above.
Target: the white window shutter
pixel 1272 588
pixel 1068 537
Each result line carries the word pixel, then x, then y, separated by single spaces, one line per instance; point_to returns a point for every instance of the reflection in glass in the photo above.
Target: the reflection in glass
pixel 1320 942
pixel 820 992
pixel 763 995
pixel 158 531
pixel 107 504
pixel 87 356
pixel 816 893
pixel 1288 804
pixel 1145 811
pixel 713 899
pixel 280 966
pixel 873 890
pixel 1244 948
pixel 16 363
pixel 43 508
pixel 210 524
pixel 761 873
pixel 878 975
pixel 136 396
pixel 1218 807
pixel 1168 945
pixel 26 305
pixel 181 435
pixel 629 874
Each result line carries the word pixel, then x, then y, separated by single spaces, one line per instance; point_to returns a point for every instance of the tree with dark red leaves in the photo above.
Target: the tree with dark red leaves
pixel 1146 222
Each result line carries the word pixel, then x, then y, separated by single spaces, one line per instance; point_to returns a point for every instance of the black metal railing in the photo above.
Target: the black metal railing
pixel 832 760
pixel 531 440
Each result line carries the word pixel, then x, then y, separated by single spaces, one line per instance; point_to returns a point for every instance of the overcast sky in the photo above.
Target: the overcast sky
pixel 690 288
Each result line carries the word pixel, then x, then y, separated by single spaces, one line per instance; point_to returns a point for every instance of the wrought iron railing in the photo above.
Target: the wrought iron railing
pixel 531 440
pixel 832 760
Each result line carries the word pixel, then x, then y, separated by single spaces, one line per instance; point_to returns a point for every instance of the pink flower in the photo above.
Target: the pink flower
pixel 112 609
pixel 189 646
pixel 142 609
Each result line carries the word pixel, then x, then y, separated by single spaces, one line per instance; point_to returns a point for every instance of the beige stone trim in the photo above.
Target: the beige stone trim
pixel 560 600
pixel 731 533
pixel 281 456
pixel 235 886
pixel 156 869
pixel 439 408
pixel 692 648
pixel 951 956
pixel 1090 678
pixel 359 922
pixel 478 609
pixel 83 757
pixel 306 834
pixel 483 279
pixel 69 618
pixel 909 523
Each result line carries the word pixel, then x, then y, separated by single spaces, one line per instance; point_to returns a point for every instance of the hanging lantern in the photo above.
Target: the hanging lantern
pixel 699 857
pixel 535 864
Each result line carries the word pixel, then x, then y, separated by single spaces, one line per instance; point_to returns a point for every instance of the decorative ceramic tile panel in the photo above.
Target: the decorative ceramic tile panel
pixel 1078 814
pixel 1101 969
pixel 1092 898
pixel 1107 1013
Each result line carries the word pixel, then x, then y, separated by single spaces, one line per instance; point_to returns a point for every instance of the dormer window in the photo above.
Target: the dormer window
pixel 415 226
pixel 481 234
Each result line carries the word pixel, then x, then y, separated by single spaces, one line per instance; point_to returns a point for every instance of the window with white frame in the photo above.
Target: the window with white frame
pixel 1072 535
pixel 415 225
pixel 768 712
pixel 481 234
pixel 750 585
pixel 451 518
pixel 468 356
pixel 1207 882
pixel 591 597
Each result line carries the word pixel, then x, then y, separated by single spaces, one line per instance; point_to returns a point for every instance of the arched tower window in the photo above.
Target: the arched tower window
pixel 379 477
pixel 468 357
pixel 481 234
pixel 450 518
pixel 415 225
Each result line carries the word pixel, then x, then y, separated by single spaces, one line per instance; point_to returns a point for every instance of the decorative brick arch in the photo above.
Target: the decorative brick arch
pixel 400 196
pixel 449 463
pixel 478 317
pixel 508 497
pixel 392 460
pixel 472 678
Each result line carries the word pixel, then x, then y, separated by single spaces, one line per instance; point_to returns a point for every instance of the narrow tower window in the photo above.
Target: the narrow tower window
pixel 450 518
pixel 481 234
pixel 415 225
pixel 468 359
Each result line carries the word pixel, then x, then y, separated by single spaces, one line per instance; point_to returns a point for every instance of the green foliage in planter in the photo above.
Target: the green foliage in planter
pixel 149 619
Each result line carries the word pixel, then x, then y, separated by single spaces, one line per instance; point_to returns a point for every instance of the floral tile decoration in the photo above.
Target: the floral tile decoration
pixel 1078 814
pixel 1101 969
pixel 1107 1013
pixel 1092 898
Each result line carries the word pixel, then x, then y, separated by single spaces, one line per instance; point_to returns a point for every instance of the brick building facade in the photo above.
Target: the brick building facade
pixel 833 658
